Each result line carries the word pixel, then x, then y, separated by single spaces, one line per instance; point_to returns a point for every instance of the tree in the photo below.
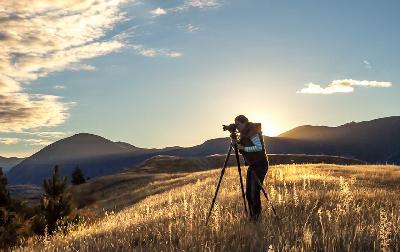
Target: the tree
pixel 12 217
pixel 56 203
pixel 4 194
pixel 77 177
pixel 12 228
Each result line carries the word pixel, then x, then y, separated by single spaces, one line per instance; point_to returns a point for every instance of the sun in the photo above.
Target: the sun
pixel 268 128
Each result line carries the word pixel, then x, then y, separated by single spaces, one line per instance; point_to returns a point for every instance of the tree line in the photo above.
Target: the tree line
pixel 54 213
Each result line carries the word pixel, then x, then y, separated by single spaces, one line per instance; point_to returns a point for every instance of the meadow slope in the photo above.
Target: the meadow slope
pixel 320 207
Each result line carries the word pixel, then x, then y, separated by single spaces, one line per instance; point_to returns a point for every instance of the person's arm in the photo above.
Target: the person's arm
pixel 257 144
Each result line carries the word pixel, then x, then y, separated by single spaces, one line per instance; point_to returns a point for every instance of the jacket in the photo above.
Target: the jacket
pixel 245 139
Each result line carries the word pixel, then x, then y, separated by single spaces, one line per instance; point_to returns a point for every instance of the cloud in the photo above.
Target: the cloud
pixel 21 111
pixel 31 142
pixel 59 87
pixel 199 4
pixel 158 12
pixel 202 3
pixel 191 28
pixel 81 67
pixel 40 37
pixel 152 52
pixel 9 140
pixel 367 64
pixel 341 86
pixel 48 134
pixel 42 138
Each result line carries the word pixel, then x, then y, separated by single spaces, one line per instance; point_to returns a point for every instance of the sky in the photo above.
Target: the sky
pixel 167 73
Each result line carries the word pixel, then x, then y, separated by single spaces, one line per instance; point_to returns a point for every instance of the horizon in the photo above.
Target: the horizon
pixel 121 140
pixel 156 74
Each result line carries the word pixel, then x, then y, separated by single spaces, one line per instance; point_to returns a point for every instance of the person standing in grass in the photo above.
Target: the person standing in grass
pixel 251 146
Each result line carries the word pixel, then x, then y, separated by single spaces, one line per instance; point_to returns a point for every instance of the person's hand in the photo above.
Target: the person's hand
pixel 240 147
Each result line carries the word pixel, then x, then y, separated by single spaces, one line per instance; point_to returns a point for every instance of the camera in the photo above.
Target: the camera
pixel 231 127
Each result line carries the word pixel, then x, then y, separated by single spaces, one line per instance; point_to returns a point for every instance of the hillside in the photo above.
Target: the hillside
pixel 320 207
pixel 99 193
pixel 29 194
pixel 8 163
pixel 164 163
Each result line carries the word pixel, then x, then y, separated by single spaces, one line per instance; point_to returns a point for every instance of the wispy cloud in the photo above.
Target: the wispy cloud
pixel 9 140
pixel 202 4
pixel 188 4
pixel 191 28
pixel 367 64
pixel 341 86
pixel 48 134
pixel 40 37
pixel 152 52
pixel 81 67
pixel 25 141
pixel 158 12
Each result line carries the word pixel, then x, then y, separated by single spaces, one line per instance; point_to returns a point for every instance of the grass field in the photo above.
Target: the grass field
pixel 321 207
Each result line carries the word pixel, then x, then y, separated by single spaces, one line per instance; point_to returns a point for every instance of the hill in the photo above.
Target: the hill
pixel 320 207
pixel 165 172
pixel 95 155
pixel 164 163
pixel 8 163
pixel 94 192
pixel 375 141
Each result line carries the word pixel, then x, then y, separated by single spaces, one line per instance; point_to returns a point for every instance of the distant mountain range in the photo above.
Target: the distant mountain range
pixel 376 141
pixel 8 163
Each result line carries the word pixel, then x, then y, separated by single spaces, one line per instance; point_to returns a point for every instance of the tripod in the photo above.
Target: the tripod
pixel 233 145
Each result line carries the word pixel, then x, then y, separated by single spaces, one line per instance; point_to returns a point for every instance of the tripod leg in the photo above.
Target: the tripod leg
pixel 219 183
pixel 264 192
pixel 240 178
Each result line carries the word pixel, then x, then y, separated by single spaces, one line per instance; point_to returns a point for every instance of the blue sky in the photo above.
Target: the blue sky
pixel 165 73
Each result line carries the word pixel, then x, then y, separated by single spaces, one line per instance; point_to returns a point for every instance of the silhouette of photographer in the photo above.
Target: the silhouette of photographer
pixel 251 146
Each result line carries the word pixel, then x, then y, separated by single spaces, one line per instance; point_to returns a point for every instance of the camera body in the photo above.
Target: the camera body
pixel 231 127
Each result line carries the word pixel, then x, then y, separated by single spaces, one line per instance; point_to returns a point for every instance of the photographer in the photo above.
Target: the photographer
pixel 251 146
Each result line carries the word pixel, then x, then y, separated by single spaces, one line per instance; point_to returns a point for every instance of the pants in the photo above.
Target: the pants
pixel 253 189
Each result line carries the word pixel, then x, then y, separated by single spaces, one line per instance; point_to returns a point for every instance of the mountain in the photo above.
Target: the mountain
pixel 8 163
pixel 373 141
pixel 95 155
pixel 376 141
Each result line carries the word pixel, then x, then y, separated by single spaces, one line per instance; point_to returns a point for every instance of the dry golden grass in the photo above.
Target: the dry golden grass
pixel 321 207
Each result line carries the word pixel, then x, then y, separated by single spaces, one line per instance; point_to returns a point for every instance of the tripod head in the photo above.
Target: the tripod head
pixel 233 130
pixel 234 136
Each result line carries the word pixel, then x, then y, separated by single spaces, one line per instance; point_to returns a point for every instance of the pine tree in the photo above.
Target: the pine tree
pixel 56 203
pixel 77 176
pixel 12 221
pixel 4 194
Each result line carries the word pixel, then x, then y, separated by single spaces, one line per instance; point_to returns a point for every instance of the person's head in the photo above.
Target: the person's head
pixel 241 122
